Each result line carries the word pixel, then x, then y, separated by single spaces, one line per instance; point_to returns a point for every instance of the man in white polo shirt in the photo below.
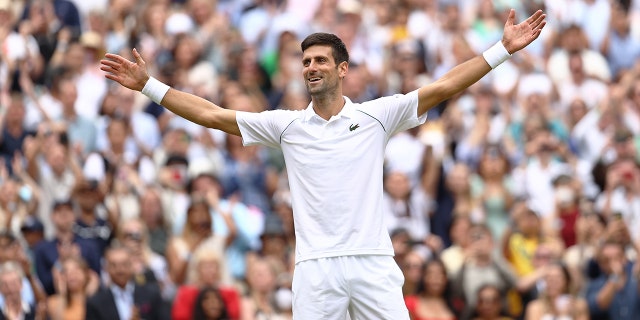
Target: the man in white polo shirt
pixel 334 153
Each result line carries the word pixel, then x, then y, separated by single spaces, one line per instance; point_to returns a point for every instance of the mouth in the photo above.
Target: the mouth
pixel 314 80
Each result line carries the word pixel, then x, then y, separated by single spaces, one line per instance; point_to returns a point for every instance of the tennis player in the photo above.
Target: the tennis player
pixel 334 153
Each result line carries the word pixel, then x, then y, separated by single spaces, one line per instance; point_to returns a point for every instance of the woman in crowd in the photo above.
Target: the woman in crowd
pixel 75 282
pixel 207 275
pixel 432 300
pixel 489 306
pixel 210 305
pixel 260 302
pixel 557 301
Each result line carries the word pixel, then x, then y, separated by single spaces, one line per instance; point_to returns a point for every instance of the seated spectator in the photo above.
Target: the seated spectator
pixel 260 300
pixel 148 266
pixel 432 299
pixel 75 282
pixel 453 257
pixel 197 233
pixel 614 293
pixel 64 244
pixel 10 287
pixel 32 231
pixel 88 195
pixel 483 266
pixel 121 297
pixel 210 305
pixel 207 274
pixel 411 267
pixel 490 305
pixel 152 215
pixel 557 301
pixel 11 251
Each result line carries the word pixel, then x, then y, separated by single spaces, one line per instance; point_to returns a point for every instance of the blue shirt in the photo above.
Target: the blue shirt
pixel 625 304
pixel 123 297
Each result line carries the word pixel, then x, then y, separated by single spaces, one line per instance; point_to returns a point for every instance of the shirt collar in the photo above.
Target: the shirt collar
pixel 347 110
pixel 26 308
pixel 128 289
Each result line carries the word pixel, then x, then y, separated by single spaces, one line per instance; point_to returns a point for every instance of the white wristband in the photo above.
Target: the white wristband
pixel 496 55
pixel 155 90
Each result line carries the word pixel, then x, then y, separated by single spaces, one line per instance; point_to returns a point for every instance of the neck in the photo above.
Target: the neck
pixel 87 216
pixel 65 236
pixel 327 106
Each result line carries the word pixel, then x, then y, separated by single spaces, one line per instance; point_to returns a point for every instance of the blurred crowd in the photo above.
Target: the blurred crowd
pixel 518 199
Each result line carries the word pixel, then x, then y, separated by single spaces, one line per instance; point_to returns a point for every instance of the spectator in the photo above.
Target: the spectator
pixel 490 304
pixel 64 244
pixel 148 267
pixel 454 256
pixel 621 194
pixel 614 293
pixel 433 298
pixel 412 266
pixel 10 288
pixel 121 297
pixel 483 266
pixel 210 305
pixel 558 300
pixel 208 273
pixel 74 283
pixel 88 194
pixel 619 46
pixel 12 131
pixel 11 251
pixel 260 300
pixel 492 186
pixel 197 233
pixel 152 215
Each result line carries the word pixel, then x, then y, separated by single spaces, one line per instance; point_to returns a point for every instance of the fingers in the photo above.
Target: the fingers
pixel 535 16
pixel 512 17
pixel 138 57
pixel 538 23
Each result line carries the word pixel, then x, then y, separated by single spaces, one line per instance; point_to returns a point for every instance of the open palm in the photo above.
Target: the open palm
pixel 518 36
pixel 132 75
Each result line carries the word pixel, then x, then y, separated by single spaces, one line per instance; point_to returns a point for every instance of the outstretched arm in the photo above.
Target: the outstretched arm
pixel 515 37
pixel 133 75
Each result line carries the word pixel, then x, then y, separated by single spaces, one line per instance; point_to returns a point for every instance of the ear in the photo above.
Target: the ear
pixel 343 68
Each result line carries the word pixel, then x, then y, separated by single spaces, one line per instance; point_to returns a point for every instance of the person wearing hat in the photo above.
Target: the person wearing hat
pixel 32 231
pixel 64 243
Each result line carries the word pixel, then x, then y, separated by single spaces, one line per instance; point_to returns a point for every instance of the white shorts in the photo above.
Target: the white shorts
pixel 362 286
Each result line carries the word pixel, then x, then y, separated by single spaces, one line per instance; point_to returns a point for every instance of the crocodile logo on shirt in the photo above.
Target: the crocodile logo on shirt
pixel 354 126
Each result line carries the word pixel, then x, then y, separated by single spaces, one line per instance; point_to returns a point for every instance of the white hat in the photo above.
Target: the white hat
pixel 179 22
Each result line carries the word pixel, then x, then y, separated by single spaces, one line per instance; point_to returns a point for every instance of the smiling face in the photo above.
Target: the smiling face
pixel 321 74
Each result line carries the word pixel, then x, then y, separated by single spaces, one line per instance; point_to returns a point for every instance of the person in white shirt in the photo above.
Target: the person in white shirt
pixel 334 152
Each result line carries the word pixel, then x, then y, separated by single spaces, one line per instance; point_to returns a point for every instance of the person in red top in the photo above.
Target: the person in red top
pixel 433 299
pixel 207 274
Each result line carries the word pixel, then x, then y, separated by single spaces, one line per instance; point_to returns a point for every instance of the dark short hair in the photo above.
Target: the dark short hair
pixel 338 47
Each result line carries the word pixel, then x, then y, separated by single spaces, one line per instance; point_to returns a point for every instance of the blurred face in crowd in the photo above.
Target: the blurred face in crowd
pixel 67 94
pixel 611 255
pixel 15 112
pixel 480 242
pixel 412 267
pixel 261 276
pixel 9 247
pixel 435 279
pixel 556 280
pixel 151 208
pixel 118 266
pixel 458 179
pixel 208 271
pixel 212 305
pixel 88 195
pixel 133 236
pixel 10 285
pixel 199 218
pixel 63 218
pixel 8 193
pixel 489 302
pixel 75 274
pixel 529 224
pixel 460 231
pixel 493 164
pixel 397 185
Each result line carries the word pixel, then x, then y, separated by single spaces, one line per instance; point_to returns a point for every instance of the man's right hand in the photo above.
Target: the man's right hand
pixel 132 75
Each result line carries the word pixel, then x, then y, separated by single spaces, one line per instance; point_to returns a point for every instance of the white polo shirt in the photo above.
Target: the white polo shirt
pixel 335 170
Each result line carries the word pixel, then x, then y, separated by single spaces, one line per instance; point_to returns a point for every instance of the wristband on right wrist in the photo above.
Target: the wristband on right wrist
pixel 155 90
pixel 496 55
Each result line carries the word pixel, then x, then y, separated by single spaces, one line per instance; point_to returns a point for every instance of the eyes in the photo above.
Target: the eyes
pixel 318 60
